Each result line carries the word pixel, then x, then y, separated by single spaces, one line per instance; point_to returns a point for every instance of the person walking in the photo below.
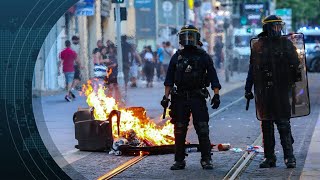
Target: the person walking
pixel 67 59
pixel 126 50
pixel 148 68
pixel 191 70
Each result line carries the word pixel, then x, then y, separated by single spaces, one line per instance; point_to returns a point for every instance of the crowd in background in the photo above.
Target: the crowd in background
pixel 136 65
pixel 147 65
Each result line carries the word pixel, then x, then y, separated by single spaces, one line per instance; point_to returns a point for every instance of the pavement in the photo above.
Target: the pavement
pixel 58 131
pixel 311 169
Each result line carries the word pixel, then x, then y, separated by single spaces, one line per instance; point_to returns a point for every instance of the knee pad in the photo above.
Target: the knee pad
pixel 180 128
pixel 202 128
pixel 283 126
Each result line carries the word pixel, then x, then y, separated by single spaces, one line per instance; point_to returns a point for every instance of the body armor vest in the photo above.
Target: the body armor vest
pixel 190 73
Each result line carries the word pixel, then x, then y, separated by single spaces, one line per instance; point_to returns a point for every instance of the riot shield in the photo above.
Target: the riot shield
pixel 280 77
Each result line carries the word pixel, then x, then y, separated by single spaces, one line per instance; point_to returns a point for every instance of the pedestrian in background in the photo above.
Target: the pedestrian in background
pixel 99 44
pixel 167 54
pixel 67 59
pixel 112 74
pixel 142 53
pixel 126 50
pixel 77 73
pixel 149 66
pixel 159 61
pixel 218 47
pixel 134 68
pixel 100 69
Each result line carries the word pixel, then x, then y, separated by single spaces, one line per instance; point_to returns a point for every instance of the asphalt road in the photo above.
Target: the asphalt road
pixel 235 125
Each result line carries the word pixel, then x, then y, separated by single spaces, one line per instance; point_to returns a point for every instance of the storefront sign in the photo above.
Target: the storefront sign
pixel 85 8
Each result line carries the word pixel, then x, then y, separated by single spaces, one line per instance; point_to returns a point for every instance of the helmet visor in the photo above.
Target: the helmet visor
pixel 188 38
pixel 276 28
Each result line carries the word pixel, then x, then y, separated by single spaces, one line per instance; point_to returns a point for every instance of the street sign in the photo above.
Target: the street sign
pixel 117 1
pixel 143 3
pixel 251 13
pixel 167 6
pixel 85 8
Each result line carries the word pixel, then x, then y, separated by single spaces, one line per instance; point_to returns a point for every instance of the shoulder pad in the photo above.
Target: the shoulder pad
pixel 200 50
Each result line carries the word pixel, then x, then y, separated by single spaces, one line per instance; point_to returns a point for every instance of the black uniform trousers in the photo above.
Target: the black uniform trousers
pixel 184 105
pixel 284 128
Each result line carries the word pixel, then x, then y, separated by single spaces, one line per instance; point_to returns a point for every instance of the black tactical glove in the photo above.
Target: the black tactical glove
pixel 215 101
pixel 248 95
pixel 165 102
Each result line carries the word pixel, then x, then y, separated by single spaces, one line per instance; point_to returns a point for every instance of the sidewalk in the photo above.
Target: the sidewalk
pixel 311 169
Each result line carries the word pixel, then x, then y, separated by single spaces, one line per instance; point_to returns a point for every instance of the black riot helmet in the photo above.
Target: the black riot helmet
pixel 189 36
pixel 273 26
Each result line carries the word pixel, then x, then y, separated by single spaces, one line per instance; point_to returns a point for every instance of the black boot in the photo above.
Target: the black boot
pixel 286 138
pixel 268 162
pixel 206 164
pixel 202 130
pixel 180 132
pixel 290 162
pixel 178 165
pixel 268 144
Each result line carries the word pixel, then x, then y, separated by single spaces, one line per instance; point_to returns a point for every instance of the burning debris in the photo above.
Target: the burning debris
pixel 128 126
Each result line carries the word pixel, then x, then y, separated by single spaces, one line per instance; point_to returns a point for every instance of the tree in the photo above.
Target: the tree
pixel 304 13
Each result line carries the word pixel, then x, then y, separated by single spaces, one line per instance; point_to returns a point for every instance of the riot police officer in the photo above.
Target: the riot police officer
pixel 191 70
pixel 274 71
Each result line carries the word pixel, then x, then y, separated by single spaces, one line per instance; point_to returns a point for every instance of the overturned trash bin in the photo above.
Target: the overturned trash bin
pixel 93 135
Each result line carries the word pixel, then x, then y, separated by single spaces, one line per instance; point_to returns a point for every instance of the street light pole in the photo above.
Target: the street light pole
pixel 119 47
pixel 227 54
pixel 185 9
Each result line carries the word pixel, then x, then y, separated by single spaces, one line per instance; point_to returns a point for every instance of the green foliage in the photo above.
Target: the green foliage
pixel 304 12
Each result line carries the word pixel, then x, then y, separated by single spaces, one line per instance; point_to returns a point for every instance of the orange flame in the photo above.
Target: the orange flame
pixel 145 129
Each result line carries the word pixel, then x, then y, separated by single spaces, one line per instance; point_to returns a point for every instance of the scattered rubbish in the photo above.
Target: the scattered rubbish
pixel 192 149
pixel 236 150
pixel 224 147
pixel 116 144
pixel 256 149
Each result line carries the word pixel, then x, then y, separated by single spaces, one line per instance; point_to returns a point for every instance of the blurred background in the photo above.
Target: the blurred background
pixel 226 28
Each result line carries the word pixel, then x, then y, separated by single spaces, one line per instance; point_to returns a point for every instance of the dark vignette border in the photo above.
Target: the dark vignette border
pixel 24 25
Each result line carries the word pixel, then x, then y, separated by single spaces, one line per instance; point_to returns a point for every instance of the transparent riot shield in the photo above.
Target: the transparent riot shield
pixel 280 77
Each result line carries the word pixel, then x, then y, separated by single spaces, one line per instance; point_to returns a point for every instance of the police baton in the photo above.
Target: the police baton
pixel 247 106
pixel 164 113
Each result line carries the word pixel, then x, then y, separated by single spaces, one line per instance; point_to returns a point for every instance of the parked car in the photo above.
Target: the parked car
pixel 313 61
